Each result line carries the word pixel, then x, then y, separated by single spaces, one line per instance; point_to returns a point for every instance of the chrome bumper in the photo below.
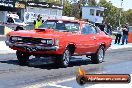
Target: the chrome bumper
pixel 31 47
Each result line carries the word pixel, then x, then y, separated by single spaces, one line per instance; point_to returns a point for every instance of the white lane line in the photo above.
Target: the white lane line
pixel 59 86
pixel 40 85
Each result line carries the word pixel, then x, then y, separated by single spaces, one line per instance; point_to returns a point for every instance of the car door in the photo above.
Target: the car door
pixel 94 39
pixel 87 40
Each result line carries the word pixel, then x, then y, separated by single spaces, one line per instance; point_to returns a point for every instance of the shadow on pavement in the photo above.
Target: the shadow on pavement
pixel 14 62
pixel 54 66
pixel 75 62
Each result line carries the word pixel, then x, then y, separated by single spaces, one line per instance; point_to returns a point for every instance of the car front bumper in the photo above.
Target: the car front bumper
pixel 31 47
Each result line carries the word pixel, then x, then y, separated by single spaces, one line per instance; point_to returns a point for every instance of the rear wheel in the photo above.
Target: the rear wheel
pixel 22 57
pixel 98 57
pixel 64 59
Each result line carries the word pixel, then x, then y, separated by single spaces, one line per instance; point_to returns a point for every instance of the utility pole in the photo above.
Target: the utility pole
pixel 120 13
pixel 62 2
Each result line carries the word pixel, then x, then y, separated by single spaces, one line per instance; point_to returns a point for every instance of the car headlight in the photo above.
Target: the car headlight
pixel 14 38
pixel 19 38
pixel 49 41
pixel 43 41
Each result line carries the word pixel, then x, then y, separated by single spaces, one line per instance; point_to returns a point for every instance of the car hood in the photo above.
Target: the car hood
pixel 38 33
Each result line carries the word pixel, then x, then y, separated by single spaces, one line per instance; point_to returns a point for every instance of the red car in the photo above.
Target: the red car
pixel 58 40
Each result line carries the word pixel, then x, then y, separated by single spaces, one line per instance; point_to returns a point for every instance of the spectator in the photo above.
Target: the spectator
pixel 118 35
pixel 109 29
pixel 102 26
pixel 38 22
pixel 125 35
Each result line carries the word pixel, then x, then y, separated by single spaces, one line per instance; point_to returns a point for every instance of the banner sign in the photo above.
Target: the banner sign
pixel 38 4
pixel 7 3
pixel 13 3
pixel 22 4
pixel 55 6
pixel 44 5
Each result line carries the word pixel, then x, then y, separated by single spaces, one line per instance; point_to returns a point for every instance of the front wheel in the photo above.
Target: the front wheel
pixel 98 57
pixel 64 59
pixel 22 57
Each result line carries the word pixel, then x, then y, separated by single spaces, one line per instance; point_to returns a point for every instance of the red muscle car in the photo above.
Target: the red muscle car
pixel 60 39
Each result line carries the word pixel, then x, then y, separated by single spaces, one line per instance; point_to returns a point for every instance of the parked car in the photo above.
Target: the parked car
pixel 58 40
pixel 14 22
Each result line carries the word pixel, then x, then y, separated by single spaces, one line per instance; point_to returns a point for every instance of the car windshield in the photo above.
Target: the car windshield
pixel 61 25
pixel 17 20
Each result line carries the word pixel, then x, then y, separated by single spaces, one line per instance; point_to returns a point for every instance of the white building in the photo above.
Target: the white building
pixel 93 13
pixel 46 10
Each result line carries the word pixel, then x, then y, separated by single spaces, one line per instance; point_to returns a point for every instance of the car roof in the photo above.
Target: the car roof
pixel 68 20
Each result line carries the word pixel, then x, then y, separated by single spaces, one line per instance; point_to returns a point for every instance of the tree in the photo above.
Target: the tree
pixel 67 8
pixel 92 2
pixel 112 13
pixel 88 2
pixel 128 16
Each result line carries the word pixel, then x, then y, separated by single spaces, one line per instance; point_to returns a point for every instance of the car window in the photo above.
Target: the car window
pixel 61 25
pixel 88 29
pixel 85 29
pixel 94 31
pixel 72 26
pixel 48 24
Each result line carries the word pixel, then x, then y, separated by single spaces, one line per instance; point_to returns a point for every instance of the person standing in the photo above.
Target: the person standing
pixel 109 29
pixel 102 26
pixel 125 35
pixel 38 22
pixel 118 35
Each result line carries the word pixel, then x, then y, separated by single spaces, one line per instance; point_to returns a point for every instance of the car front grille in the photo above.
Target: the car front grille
pixel 31 40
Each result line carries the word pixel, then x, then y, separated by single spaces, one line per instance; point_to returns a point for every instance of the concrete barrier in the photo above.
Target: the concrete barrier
pixel 2 30
pixel 130 34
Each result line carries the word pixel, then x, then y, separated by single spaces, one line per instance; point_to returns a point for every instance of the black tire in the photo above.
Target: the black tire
pixel 64 59
pixel 22 57
pixel 98 57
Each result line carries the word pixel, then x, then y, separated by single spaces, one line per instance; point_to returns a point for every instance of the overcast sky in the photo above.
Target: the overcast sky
pixel 127 4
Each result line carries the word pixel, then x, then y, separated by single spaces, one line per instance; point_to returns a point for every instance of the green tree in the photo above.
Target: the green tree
pixel 88 2
pixel 72 9
pixel 112 13
pixel 92 2
pixel 128 16
pixel 67 8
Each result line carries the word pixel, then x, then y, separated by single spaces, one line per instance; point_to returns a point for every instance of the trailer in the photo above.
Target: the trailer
pixel 93 13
